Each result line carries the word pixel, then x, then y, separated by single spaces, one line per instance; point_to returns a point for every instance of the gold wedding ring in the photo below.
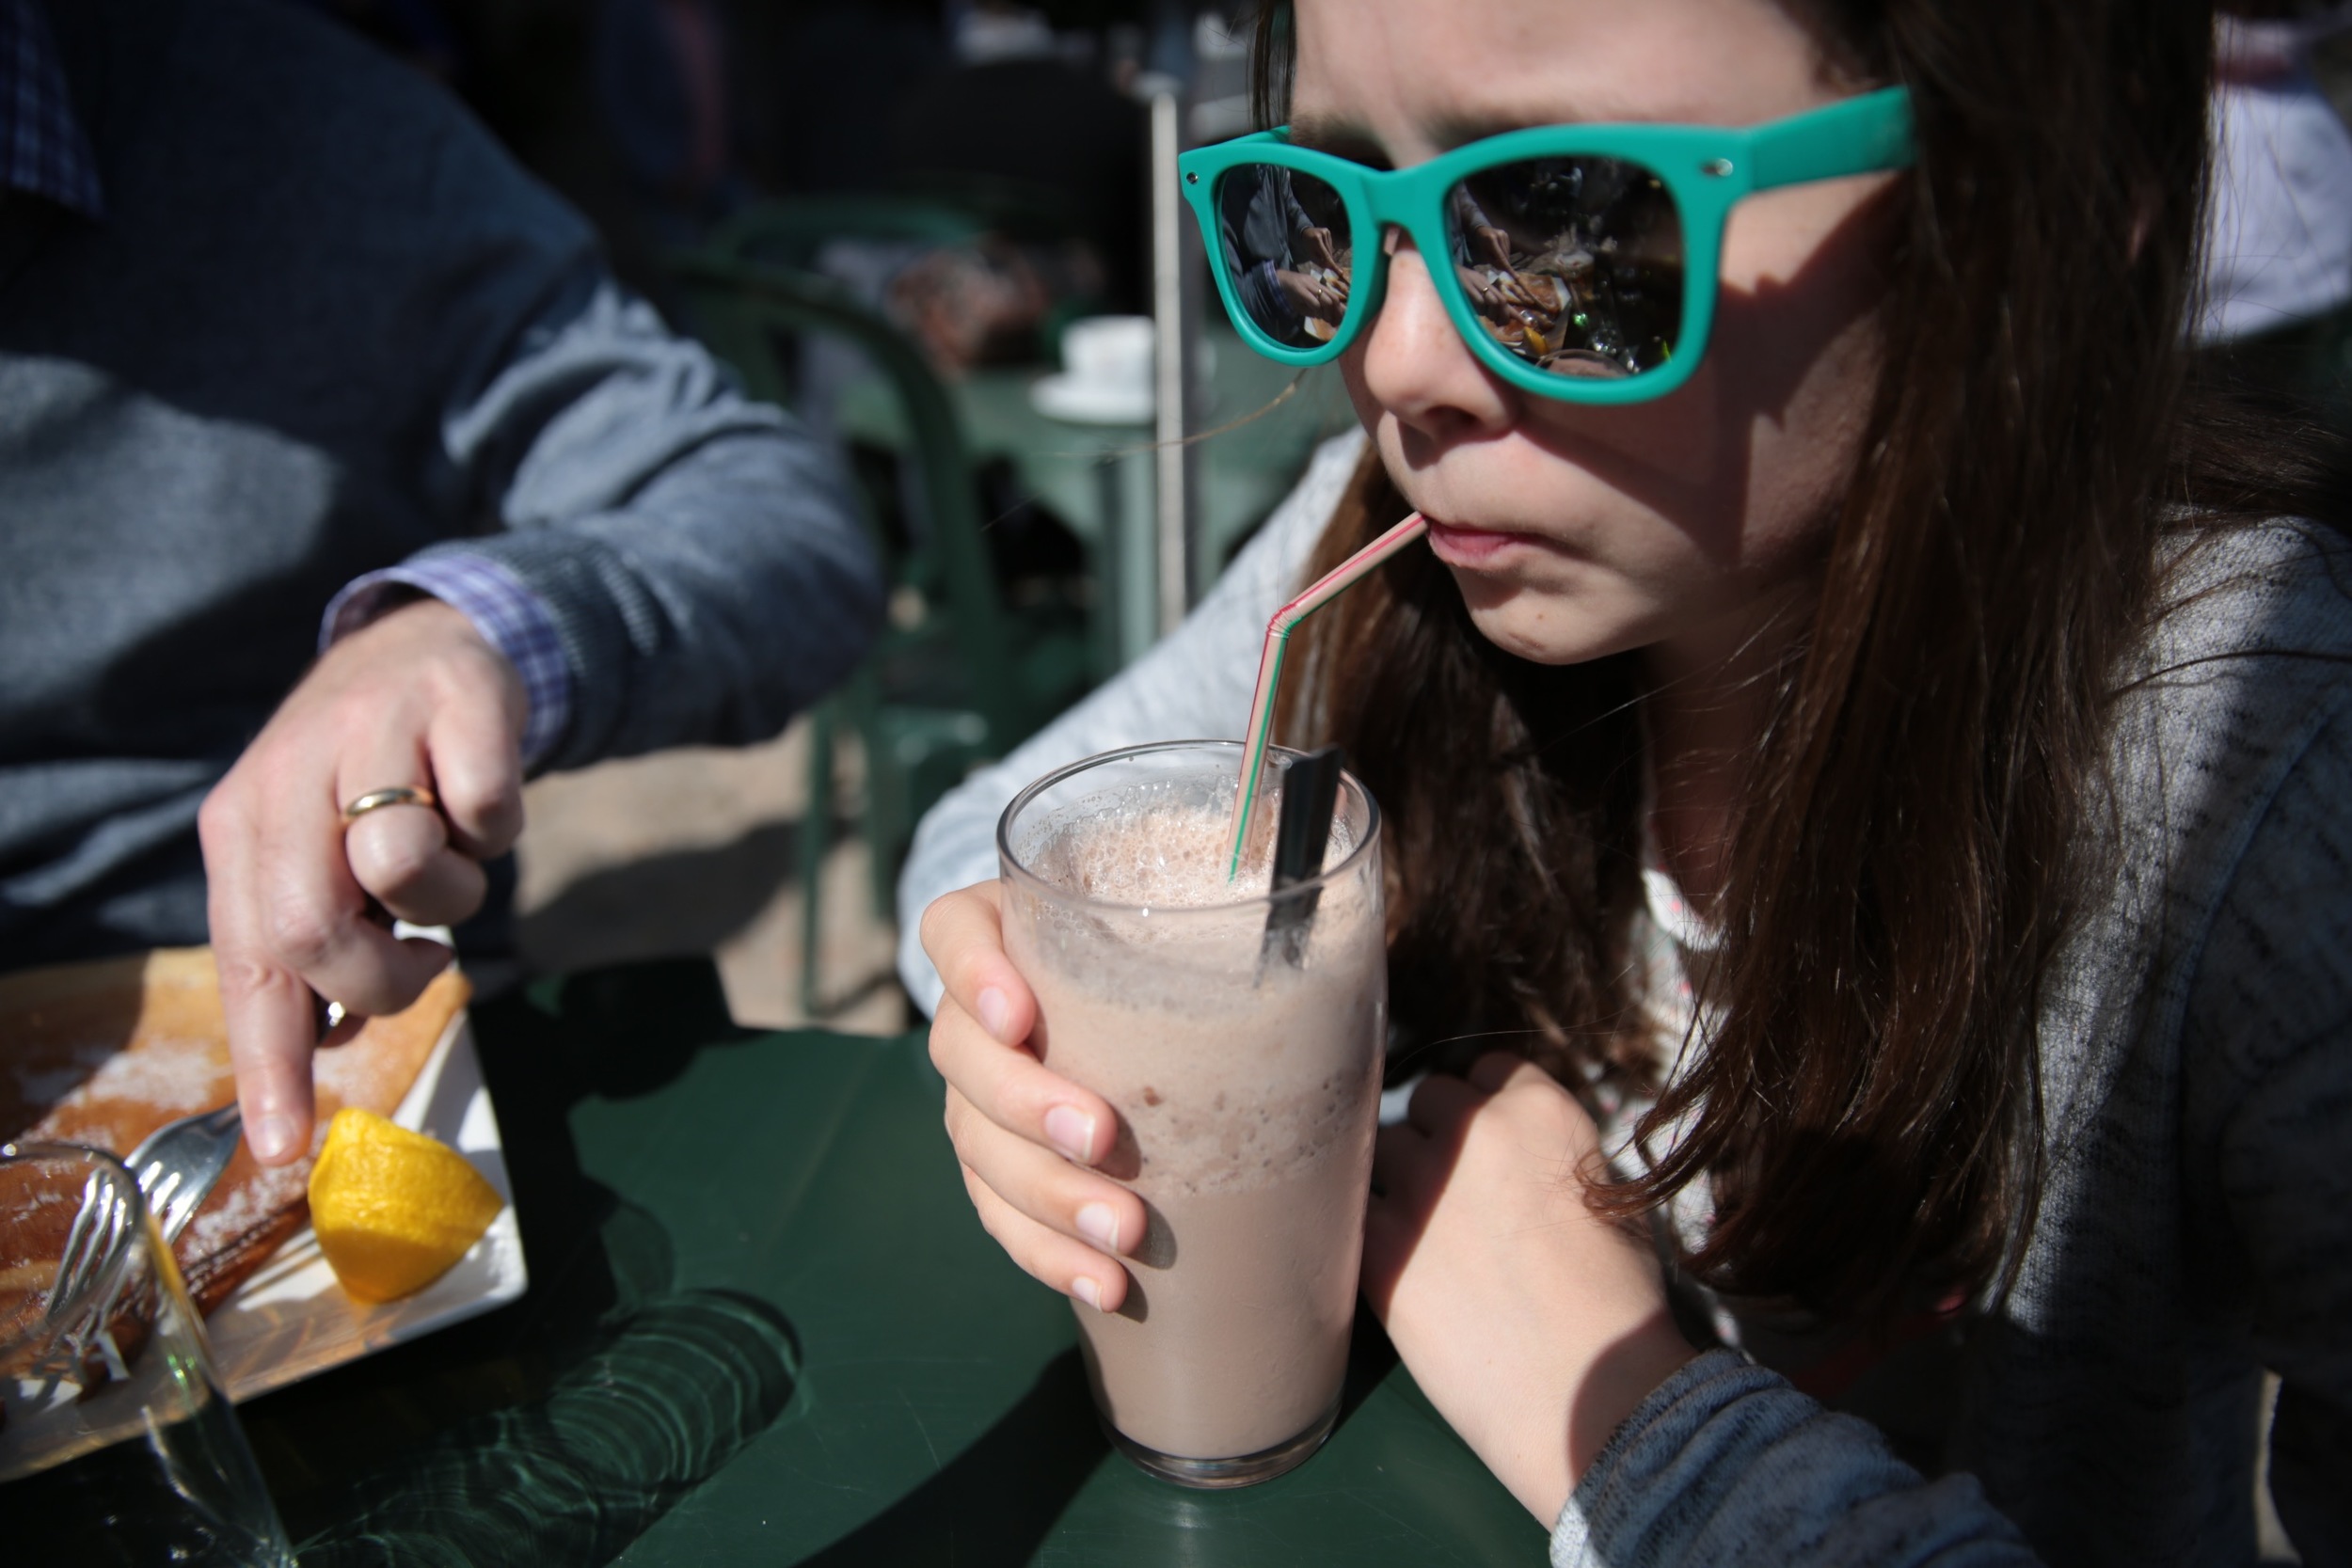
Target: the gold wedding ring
pixel 376 799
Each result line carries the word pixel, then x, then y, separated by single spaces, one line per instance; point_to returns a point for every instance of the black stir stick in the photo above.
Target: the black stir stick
pixel 1311 791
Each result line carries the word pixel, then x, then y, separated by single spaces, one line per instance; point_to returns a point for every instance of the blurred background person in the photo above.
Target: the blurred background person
pixel 2278 245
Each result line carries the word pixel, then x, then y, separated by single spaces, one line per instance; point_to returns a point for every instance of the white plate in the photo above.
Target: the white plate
pixel 1063 396
pixel 291 1320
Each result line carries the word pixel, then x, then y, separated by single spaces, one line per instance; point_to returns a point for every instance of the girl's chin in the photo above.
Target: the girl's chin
pixel 1552 625
pixel 1540 635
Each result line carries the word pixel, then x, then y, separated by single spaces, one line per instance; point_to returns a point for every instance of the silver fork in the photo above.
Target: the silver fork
pixel 176 1168
pixel 180 1162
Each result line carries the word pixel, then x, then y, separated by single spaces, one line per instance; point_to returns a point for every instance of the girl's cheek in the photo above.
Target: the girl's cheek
pixel 1351 369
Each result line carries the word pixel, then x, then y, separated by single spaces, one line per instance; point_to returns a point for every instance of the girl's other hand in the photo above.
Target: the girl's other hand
pixel 1025 1136
pixel 1534 1326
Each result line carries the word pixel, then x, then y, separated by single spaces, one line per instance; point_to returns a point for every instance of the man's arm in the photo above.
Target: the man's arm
pixel 675 564
pixel 699 555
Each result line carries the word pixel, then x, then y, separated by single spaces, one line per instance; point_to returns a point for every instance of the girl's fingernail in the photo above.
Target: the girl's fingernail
pixel 1088 1291
pixel 995 1012
pixel 1070 1131
pixel 1098 1225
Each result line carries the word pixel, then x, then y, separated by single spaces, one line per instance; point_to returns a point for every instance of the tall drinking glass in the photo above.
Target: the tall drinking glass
pixel 1243 1054
pixel 116 1445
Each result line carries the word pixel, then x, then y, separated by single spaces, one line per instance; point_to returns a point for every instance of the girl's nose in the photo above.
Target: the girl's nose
pixel 1415 364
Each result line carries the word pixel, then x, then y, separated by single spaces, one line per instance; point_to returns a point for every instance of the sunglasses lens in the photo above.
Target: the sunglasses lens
pixel 1288 251
pixel 1572 263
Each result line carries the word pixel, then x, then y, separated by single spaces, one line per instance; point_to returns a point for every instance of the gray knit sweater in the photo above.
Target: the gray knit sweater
pixel 2197 1060
pixel 325 325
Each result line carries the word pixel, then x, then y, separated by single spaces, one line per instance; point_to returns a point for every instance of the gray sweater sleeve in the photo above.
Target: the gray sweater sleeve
pixel 1725 1462
pixel 699 553
pixel 1195 685
pixel 402 297
pixel 2268 1096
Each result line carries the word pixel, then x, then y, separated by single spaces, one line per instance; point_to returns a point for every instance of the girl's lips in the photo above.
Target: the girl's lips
pixel 1457 545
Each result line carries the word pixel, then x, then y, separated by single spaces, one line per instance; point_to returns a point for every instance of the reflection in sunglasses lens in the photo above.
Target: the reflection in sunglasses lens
pixel 1572 263
pixel 1287 249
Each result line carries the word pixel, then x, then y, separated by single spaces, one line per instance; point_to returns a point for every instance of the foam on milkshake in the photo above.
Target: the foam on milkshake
pixel 1151 847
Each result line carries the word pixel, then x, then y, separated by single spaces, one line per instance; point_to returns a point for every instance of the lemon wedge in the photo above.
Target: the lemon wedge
pixel 395 1209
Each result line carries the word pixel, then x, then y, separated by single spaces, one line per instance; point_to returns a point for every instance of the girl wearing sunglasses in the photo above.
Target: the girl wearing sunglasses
pixel 1868 742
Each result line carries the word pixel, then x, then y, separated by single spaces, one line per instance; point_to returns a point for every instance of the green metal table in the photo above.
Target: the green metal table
pixel 765 1327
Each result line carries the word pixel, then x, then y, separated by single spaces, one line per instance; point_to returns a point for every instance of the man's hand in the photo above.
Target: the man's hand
pixel 418 698
pixel 1310 297
pixel 1494 245
pixel 1535 1327
pixel 1486 296
pixel 1319 241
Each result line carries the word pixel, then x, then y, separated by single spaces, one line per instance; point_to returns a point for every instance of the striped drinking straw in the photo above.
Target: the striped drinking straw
pixel 1338 580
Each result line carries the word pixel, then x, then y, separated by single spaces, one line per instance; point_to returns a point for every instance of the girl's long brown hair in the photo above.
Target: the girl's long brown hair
pixel 1909 854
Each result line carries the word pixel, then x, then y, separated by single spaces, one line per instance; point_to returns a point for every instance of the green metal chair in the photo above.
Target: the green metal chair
pixel 954 679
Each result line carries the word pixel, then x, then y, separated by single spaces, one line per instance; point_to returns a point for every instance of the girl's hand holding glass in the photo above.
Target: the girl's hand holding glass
pixel 1025 1138
pixel 1478 1248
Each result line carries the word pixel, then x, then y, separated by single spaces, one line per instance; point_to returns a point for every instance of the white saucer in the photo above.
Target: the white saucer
pixel 1063 396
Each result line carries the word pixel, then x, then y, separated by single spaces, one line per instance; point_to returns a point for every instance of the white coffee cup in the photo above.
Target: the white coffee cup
pixel 1109 353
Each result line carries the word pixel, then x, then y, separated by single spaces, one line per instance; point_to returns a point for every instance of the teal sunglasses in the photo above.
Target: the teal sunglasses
pixel 1573 246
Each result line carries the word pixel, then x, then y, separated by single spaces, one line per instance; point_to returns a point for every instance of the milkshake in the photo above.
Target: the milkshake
pixel 1247 1085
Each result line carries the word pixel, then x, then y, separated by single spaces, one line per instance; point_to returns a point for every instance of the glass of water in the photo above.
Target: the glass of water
pixel 117 1444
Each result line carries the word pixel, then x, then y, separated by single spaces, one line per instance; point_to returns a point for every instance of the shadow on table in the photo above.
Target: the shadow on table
pixel 993 1504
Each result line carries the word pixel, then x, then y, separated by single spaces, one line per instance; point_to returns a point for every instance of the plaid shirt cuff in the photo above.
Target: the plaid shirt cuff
pixel 43 149
pixel 1275 296
pixel 504 610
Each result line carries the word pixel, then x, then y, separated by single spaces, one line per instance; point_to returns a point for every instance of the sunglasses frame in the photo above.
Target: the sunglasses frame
pixel 1706 169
